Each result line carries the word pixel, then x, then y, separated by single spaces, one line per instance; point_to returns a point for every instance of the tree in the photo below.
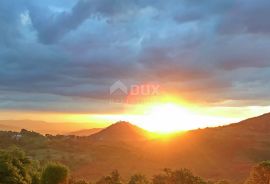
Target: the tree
pixel 16 168
pixel 55 173
pixel 182 176
pixel 138 179
pixel 260 174
pixel 114 178
pixel 36 178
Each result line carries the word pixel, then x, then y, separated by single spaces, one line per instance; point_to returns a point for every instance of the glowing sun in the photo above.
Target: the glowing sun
pixel 168 118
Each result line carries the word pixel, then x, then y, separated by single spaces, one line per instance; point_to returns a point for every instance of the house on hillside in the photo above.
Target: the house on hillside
pixel 17 137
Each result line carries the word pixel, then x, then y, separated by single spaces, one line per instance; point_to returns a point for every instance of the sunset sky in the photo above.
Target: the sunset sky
pixel 209 59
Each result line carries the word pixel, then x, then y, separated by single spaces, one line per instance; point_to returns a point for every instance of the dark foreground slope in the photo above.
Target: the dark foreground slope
pixel 226 152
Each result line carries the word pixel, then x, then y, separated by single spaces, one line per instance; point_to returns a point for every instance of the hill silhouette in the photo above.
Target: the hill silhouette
pixel 257 124
pixel 121 131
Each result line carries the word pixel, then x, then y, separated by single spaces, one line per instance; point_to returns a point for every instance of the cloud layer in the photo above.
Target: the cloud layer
pixel 57 55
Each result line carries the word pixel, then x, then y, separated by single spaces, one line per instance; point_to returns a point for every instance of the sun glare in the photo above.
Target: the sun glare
pixel 167 118
pixel 164 118
pixel 173 117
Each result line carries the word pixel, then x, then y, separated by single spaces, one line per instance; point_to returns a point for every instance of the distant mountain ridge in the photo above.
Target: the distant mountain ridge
pixel 42 126
pixel 85 132
pixel 8 128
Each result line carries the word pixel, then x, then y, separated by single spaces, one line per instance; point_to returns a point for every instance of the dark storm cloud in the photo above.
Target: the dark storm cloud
pixel 52 26
pixel 9 28
pixel 247 16
pixel 207 50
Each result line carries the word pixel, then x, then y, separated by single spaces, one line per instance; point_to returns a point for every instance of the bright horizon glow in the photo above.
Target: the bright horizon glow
pixel 164 117
pixel 173 117
pixel 170 117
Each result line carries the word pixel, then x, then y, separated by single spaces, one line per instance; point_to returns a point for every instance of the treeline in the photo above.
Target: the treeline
pixel 17 168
